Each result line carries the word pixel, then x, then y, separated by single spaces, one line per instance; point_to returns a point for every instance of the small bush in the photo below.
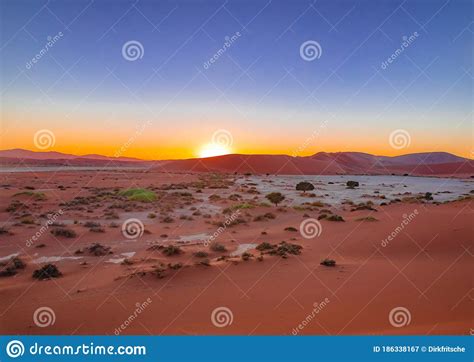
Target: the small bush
pixel 63 232
pixel 171 250
pixel 328 262
pixel 217 247
pixel 201 254
pixel 48 271
pixel 91 224
pixel 335 218
pixel 352 184
pixel 291 228
pixel 367 218
pixel 37 196
pixel 264 246
pixel 10 268
pixel 304 186
pixel 275 198
pixel 141 195
pixel 246 256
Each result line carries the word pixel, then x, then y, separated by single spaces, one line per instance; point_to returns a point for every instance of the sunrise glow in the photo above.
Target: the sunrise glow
pixel 212 150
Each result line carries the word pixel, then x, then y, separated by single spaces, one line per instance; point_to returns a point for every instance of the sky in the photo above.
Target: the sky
pixel 179 79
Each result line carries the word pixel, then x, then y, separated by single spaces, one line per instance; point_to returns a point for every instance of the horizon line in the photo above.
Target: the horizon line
pixel 136 159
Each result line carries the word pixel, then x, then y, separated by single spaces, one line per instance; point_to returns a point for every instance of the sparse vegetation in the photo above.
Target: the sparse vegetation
pixel 328 262
pixel 201 254
pixel 334 217
pixel 63 232
pixel 171 250
pixel 352 184
pixel 367 218
pixel 304 186
pixel 48 271
pixel 246 256
pixel 217 247
pixel 282 249
pixel 11 267
pixel 141 195
pixel 275 198
pixel 37 196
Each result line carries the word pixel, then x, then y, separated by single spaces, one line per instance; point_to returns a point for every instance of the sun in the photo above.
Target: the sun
pixel 212 149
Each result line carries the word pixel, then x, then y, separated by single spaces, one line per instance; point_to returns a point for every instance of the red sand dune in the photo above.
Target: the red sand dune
pixel 322 163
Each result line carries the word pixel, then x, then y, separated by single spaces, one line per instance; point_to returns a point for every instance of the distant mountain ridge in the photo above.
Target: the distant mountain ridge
pixel 426 163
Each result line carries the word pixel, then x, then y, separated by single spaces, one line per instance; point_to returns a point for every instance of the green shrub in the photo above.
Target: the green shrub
pixel 141 195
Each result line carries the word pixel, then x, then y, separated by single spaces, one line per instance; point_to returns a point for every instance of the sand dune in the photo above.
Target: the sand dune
pixel 322 163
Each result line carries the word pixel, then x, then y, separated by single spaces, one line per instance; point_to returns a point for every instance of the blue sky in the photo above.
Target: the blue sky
pixel 260 89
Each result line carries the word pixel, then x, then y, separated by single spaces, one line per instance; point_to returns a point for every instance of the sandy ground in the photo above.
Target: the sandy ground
pixel 426 268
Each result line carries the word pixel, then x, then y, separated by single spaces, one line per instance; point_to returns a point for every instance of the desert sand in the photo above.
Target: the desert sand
pixel 425 268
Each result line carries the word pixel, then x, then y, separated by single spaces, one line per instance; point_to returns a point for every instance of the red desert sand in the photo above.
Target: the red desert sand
pixel 169 280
